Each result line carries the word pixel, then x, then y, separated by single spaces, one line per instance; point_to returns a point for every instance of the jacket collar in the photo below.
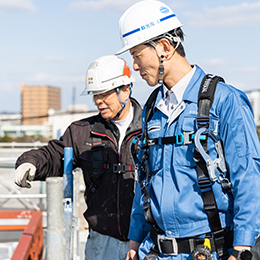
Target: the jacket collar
pixel 191 92
pixel 107 127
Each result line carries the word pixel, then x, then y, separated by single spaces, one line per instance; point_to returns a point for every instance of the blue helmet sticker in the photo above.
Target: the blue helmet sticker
pixel 164 10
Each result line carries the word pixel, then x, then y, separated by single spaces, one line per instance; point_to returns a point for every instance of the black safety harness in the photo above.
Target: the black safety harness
pixel 99 166
pixel 219 239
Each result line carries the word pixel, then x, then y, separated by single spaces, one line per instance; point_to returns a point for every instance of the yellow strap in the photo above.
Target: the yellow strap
pixel 207 243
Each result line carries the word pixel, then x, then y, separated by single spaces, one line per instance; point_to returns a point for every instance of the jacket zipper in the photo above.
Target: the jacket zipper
pixel 118 185
pixel 118 191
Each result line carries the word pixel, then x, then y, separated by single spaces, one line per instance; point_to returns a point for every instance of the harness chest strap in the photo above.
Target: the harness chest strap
pixel 179 139
pixel 99 166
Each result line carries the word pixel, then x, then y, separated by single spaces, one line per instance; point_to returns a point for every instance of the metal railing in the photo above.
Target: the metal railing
pixel 55 233
pixel 15 193
pixel 22 145
pixel 30 245
pixel 62 220
pixel 62 229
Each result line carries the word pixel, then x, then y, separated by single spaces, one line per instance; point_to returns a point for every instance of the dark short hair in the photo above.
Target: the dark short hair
pixel 176 32
pixel 180 34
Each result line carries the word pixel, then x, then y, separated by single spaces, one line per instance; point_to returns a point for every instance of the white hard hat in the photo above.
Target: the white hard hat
pixel 106 73
pixel 144 21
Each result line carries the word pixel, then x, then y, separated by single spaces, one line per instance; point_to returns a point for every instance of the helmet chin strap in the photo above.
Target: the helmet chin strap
pixel 122 103
pixel 161 70
pixel 172 39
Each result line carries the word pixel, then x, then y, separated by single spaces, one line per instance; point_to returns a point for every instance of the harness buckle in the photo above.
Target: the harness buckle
pixel 144 184
pixel 179 138
pixel 188 137
pixel 203 121
pixel 204 183
pixel 119 168
pixel 161 238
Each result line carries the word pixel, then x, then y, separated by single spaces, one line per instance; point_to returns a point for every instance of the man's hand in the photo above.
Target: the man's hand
pixel 133 251
pixel 24 173
pixel 239 248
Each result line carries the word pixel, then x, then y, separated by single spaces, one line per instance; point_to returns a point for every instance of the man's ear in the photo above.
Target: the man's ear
pixel 126 88
pixel 164 47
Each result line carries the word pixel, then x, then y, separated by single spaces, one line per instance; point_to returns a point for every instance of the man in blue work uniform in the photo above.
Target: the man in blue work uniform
pixel 181 227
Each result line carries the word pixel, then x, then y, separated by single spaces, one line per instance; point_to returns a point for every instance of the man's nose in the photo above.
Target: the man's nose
pixel 97 100
pixel 136 66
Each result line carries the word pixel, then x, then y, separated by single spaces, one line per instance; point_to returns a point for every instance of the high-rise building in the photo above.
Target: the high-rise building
pixel 36 101
pixel 254 98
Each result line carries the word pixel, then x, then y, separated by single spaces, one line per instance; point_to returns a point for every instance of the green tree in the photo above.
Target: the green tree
pixel 24 139
pixel 6 139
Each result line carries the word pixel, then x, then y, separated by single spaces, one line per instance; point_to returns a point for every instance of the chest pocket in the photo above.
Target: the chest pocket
pixel 155 151
pixel 89 161
pixel 183 154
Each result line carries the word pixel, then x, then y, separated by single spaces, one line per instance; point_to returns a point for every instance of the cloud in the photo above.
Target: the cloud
pixel 246 69
pixel 242 15
pixel 249 69
pixel 46 78
pixel 102 5
pixel 52 59
pixel 106 5
pixel 17 5
pixel 216 62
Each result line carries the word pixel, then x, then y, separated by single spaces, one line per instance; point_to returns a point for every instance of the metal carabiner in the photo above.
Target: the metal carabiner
pixel 220 161
pixel 209 162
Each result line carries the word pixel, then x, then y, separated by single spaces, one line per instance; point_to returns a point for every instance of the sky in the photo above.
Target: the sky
pixel 53 43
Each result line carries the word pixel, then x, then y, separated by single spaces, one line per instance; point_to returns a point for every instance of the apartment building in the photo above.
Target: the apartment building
pixel 36 101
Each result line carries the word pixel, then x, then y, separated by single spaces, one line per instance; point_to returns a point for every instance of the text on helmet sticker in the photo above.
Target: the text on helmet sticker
pixel 148 25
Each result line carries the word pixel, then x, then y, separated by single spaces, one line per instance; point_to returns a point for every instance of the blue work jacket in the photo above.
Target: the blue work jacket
pixel 176 201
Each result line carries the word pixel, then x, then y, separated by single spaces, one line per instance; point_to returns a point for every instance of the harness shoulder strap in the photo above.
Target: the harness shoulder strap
pixel 205 100
pixel 206 93
pixel 149 105
pixel 98 166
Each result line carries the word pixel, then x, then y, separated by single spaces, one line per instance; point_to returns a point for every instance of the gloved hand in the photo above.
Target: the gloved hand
pixel 24 173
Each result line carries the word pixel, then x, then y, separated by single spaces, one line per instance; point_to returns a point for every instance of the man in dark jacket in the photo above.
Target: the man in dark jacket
pixel 101 148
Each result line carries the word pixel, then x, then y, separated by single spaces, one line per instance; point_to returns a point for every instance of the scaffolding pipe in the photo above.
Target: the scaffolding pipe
pixel 55 240
pixel 67 175
pixel 68 201
pixel 22 196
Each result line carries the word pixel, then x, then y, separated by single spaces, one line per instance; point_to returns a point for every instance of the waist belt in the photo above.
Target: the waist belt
pixel 173 246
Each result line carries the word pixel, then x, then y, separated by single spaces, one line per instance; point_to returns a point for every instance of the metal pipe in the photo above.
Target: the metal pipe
pixel 67 175
pixel 23 196
pixel 12 191
pixel 55 239
pixel 68 200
